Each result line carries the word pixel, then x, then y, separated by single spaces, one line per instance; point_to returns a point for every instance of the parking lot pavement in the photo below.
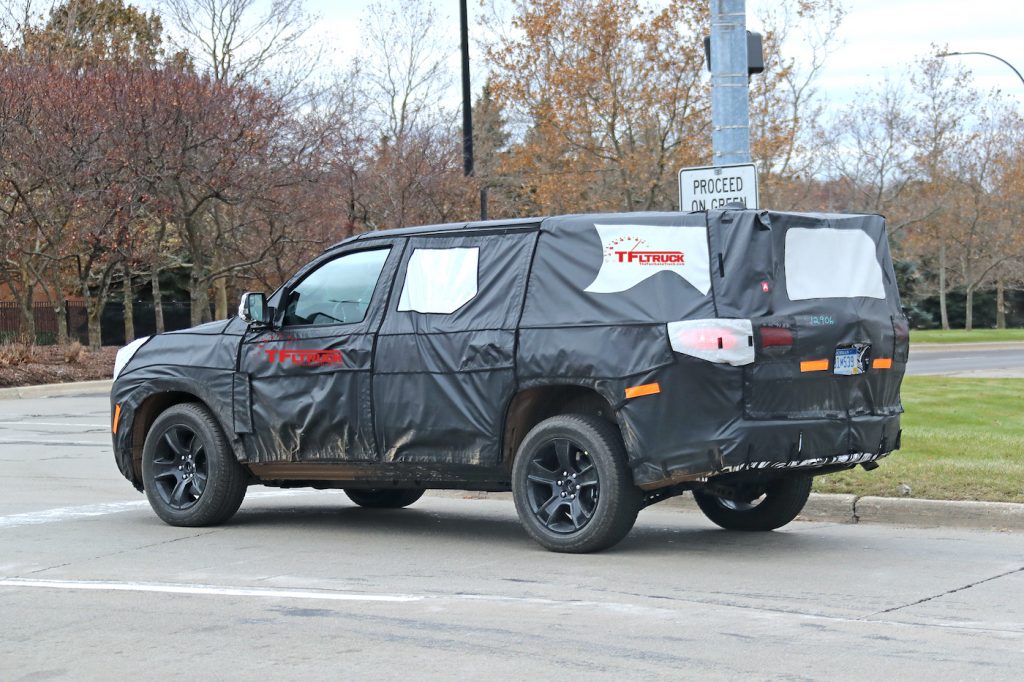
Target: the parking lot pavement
pixel 306 585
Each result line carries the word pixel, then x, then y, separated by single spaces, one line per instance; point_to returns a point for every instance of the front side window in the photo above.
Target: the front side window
pixel 338 292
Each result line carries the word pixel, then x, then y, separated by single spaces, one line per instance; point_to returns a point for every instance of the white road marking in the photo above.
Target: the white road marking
pixel 68 513
pixel 105 426
pixel 35 441
pixel 300 593
pixel 89 510
pixel 266 593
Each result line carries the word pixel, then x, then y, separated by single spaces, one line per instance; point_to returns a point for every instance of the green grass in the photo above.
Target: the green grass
pixel 963 439
pixel 960 336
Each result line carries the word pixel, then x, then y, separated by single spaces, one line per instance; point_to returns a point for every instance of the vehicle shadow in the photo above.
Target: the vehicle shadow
pixel 495 525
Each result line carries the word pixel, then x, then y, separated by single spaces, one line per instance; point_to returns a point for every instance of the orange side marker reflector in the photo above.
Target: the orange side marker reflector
pixel 814 366
pixel 643 389
pixel 117 417
pixel 881 363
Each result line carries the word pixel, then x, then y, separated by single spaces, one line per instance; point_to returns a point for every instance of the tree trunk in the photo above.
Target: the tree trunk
pixel 61 309
pixel 221 302
pixel 158 303
pixel 969 310
pixel 199 298
pixel 27 326
pixel 27 320
pixel 94 313
pixel 24 294
pixel 129 306
pixel 1000 304
pixel 943 313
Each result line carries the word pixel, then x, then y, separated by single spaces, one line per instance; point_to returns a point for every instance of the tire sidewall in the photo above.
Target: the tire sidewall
pixel 222 473
pixel 617 500
pixel 784 500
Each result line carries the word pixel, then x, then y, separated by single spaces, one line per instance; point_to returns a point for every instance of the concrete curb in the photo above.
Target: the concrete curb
pixel 896 511
pixel 944 513
pixel 51 390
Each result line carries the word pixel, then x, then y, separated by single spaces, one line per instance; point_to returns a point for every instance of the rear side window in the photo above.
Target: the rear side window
pixel 440 281
pixel 337 292
pixel 831 263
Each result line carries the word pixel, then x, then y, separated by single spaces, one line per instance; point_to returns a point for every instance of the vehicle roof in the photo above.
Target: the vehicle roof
pixel 443 228
pixel 527 223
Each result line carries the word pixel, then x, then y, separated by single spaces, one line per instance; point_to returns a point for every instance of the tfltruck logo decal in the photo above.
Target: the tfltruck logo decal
pixel 632 253
pixel 296 356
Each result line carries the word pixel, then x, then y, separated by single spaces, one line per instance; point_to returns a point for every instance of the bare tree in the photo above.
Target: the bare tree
pixel 234 41
pixel 946 101
pixel 869 147
pixel 413 171
pixel 785 109
pixel 405 69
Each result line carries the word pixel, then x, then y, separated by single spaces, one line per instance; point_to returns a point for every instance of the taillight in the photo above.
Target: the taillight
pixel 901 327
pixel 719 340
pixel 776 338
pixel 707 338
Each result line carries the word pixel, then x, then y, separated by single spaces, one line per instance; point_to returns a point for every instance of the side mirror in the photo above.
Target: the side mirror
pixel 253 308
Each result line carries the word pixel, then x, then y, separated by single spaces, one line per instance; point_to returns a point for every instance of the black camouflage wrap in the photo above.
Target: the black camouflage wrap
pixel 431 392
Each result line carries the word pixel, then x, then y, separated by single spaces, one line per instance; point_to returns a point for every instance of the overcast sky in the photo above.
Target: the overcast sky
pixel 877 36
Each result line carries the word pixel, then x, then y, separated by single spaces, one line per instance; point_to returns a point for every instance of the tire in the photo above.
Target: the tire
pixel 782 501
pixel 384 498
pixel 591 508
pixel 189 472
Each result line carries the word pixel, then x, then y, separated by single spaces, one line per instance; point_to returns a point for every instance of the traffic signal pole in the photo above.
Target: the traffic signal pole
pixel 730 102
pixel 467 107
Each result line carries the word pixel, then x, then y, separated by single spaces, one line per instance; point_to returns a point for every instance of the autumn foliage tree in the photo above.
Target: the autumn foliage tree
pixel 222 157
pixel 610 99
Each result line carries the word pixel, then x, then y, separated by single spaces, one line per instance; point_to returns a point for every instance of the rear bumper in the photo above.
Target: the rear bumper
pixel 701 423
pixel 761 446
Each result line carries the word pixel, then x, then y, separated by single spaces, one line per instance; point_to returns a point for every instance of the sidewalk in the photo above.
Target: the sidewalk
pixel 55 390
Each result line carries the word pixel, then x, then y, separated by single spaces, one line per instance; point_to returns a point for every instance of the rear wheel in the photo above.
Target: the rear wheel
pixel 779 504
pixel 190 475
pixel 571 484
pixel 384 498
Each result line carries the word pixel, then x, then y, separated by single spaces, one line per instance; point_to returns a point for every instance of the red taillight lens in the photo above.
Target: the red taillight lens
pixel 776 337
pixel 706 338
pixel 902 330
pixel 726 340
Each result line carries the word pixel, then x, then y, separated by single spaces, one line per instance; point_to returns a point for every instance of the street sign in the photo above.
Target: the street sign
pixel 706 188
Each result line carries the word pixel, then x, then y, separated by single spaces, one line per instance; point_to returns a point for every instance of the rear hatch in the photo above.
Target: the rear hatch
pixel 829 338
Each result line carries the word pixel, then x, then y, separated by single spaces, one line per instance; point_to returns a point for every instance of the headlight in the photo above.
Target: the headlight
pixel 127 353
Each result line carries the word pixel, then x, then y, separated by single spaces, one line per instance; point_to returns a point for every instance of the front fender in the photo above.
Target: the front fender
pixel 212 387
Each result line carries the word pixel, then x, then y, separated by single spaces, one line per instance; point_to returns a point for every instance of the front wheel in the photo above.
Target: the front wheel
pixel 572 486
pixel 780 503
pixel 190 475
pixel 384 498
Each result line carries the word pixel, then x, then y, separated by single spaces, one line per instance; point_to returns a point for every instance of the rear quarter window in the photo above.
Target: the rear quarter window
pixel 832 263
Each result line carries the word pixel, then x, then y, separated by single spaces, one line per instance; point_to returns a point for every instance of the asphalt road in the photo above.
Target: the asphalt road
pixel 981 360
pixel 307 586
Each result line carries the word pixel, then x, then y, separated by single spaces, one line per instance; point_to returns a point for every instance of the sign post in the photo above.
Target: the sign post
pixel 710 187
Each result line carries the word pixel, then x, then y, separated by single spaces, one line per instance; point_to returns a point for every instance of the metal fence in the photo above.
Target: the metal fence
pixel 177 315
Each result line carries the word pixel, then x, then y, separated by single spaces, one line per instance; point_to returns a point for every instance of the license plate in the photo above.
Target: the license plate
pixel 851 360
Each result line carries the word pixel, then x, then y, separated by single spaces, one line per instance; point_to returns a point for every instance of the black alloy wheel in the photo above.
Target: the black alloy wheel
pixel 180 468
pixel 563 485
pixel 572 485
pixel 189 472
